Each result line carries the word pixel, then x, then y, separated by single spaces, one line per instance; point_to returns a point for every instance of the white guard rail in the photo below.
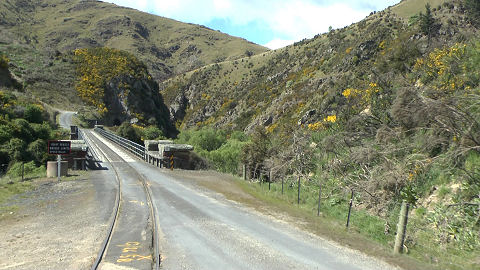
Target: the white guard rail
pixel 134 148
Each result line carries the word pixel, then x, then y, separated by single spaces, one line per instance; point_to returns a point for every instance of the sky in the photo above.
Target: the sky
pixel 271 23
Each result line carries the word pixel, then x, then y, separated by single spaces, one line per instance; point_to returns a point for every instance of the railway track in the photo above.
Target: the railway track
pixel 132 237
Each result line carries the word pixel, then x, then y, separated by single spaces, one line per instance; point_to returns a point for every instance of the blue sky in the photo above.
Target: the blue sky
pixel 272 23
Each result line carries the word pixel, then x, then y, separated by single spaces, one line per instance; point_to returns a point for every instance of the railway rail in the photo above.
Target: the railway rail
pixel 129 249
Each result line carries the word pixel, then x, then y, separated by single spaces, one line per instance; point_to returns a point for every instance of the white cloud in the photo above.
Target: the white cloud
pixel 287 20
pixel 278 43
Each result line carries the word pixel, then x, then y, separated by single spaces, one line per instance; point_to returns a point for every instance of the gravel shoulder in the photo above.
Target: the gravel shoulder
pixel 58 225
pixel 227 187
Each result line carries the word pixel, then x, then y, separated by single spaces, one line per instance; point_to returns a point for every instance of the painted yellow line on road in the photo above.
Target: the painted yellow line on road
pixel 137 202
pixel 131 247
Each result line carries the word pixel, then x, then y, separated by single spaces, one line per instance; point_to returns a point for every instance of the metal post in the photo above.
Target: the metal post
pixel 269 179
pixel 401 228
pixel 319 198
pixel 59 162
pixel 298 197
pixel 282 184
pixel 350 209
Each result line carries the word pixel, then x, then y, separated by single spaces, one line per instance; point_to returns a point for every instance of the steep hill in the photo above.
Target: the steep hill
pixel 386 108
pixel 285 86
pixel 168 47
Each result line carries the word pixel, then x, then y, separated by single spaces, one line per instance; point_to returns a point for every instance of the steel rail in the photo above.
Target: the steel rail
pixel 115 211
pixel 139 151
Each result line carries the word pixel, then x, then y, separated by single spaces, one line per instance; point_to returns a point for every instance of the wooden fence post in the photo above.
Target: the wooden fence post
pixel 244 172
pixel 319 198
pixel 401 228
pixel 298 197
pixel 350 209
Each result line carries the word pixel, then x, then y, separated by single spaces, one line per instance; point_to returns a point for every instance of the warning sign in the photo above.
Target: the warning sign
pixel 59 147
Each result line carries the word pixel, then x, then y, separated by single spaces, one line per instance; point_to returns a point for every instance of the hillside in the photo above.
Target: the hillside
pixel 40 36
pixel 284 85
pixel 387 108
pixel 167 47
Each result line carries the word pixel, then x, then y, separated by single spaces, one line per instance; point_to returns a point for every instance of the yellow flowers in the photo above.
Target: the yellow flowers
pixel 316 126
pixel 381 46
pixel 330 118
pixel 98 66
pixel 323 125
pixel 438 65
pixel 348 50
pixel 4 61
pixel 361 98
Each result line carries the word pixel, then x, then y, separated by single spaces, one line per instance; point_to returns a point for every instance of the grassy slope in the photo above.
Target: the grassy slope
pixel 39 36
pixel 316 68
pixel 66 25
pixel 406 9
pixel 286 83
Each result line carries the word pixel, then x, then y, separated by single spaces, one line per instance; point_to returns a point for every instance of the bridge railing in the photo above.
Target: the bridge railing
pixel 134 148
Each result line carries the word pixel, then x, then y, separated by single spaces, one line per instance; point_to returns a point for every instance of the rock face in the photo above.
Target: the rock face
pixel 6 79
pixel 136 100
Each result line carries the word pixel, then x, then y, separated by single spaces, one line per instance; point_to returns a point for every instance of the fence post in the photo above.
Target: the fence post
pixel 244 172
pixel 269 179
pixel 23 171
pixel 350 209
pixel 401 228
pixel 282 184
pixel 319 198
pixel 298 197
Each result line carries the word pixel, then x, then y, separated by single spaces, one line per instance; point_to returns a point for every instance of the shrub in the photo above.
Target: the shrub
pixel 127 131
pixel 33 113
pixel 37 151
pixel 42 131
pixel 153 133
pixel 207 139
pixel 473 11
pixel 29 169
pixel 6 134
pixel 23 130
pixel 227 158
pixel 17 149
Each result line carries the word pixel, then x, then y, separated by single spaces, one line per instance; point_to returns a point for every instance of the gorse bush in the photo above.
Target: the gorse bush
pixel 98 66
pixel 24 131
pixel 221 150
pixel 29 169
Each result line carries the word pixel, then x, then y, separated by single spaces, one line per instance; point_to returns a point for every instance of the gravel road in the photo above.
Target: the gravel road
pixel 202 230
pixel 58 225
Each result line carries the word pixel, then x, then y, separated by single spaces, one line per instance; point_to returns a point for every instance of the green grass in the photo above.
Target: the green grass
pixel 69 25
pixel 409 8
pixel 366 232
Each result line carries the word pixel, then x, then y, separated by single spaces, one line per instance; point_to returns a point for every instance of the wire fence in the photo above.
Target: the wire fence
pixel 420 238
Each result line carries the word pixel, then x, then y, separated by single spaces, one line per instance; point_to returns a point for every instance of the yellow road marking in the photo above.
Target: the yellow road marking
pixel 137 202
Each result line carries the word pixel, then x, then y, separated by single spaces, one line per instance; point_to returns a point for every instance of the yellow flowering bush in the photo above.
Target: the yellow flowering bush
pixel 4 61
pixel 321 125
pixel 361 98
pixel 97 66
pixel 445 67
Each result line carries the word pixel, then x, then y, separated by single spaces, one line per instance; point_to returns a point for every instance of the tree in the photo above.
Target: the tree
pixel 153 133
pixel 33 113
pixel 473 11
pixel 427 22
pixel 127 131
pixel 256 152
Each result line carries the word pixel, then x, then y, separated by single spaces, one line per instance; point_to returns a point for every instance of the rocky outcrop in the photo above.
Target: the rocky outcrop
pixel 136 100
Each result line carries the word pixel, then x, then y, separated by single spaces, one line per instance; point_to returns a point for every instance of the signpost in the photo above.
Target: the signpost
pixel 59 148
